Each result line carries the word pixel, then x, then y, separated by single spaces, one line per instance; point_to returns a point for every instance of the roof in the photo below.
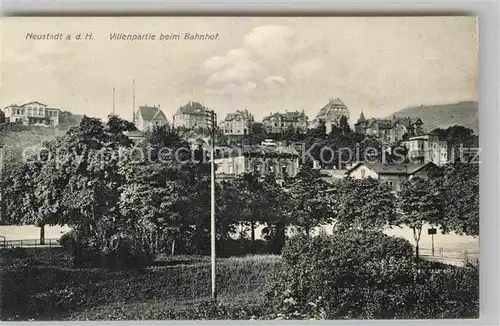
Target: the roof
pixel 23 105
pixel 334 173
pixel 287 116
pixel 33 102
pixel 243 114
pixel 334 107
pixel 259 150
pixel 136 134
pixel 420 137
pixel 389 123
pixel 192 108
pixel 384 168
pixel 149 113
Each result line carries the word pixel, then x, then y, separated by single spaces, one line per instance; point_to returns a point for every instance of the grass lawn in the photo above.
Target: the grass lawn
pixel 47 289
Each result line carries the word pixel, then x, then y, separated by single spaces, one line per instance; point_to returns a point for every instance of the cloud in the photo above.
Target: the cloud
pixel 274 82
pixel 231 74
pixel 262 62
pixel 307 68
pixel 270 42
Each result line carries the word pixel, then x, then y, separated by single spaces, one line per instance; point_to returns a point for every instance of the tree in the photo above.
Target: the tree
pixel 75 182
pixel 420 203
pixel 344 125
pixel 309 204
pixel 363 204
pixel 458 138
pixel 461 198
pixel 255 135
pixel 2 116
pixel 361 274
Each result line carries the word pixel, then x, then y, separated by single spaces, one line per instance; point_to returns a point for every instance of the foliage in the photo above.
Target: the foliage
pixel 344 125
pixel 461 199
pixel 366 275
pixel 69 120
pixel 420 203
pixel 363 204
pixel 75 182
pixel 459 139
pixel 309 203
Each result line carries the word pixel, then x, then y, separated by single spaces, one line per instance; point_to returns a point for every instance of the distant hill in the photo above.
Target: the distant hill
pixel 445 115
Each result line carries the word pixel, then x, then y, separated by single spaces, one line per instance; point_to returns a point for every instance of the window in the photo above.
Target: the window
pixel 29 111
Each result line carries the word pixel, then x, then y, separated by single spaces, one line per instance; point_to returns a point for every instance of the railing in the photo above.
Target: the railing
pixel 28 243
pixel 452 256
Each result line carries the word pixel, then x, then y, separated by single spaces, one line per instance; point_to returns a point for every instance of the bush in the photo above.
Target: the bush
pixel 241 247
pixel 359 274
pixel 125 252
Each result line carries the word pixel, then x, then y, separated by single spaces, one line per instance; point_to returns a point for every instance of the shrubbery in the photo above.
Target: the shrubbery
pixel 125 252
pixel 359 274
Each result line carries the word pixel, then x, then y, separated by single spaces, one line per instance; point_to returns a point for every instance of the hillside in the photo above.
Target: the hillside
pixel 442 116
pixel 16 138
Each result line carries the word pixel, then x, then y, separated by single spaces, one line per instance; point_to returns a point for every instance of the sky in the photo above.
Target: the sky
pixel 375 65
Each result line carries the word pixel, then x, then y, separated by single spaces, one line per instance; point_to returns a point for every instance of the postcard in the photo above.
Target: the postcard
pixel 239 168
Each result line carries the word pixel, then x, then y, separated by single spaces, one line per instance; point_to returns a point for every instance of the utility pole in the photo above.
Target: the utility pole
pixel 113 101
pixel 212 117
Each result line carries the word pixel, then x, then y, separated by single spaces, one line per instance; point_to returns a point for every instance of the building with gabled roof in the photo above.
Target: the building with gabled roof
pixel 192 115
pixel 389 130
pixel 147 117
pixel 278 123
pixel 392 174
pixel 331 114
pixel 237 123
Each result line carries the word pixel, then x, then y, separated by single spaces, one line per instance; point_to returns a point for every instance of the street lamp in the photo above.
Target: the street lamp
pixel 212 123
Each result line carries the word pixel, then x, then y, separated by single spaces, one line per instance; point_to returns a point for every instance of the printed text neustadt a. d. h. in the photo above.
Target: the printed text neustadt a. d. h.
pixel 163 36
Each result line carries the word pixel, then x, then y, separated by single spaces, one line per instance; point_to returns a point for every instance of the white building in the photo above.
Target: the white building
pixel 191 116
pixel 331 114
pixel 147 117
pixel 282 161
pixel 427 148
pixel 237 123
pixel 32 113
pixel 392 174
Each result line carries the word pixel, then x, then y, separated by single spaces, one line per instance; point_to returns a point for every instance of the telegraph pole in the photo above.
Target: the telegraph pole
pixel 213 123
